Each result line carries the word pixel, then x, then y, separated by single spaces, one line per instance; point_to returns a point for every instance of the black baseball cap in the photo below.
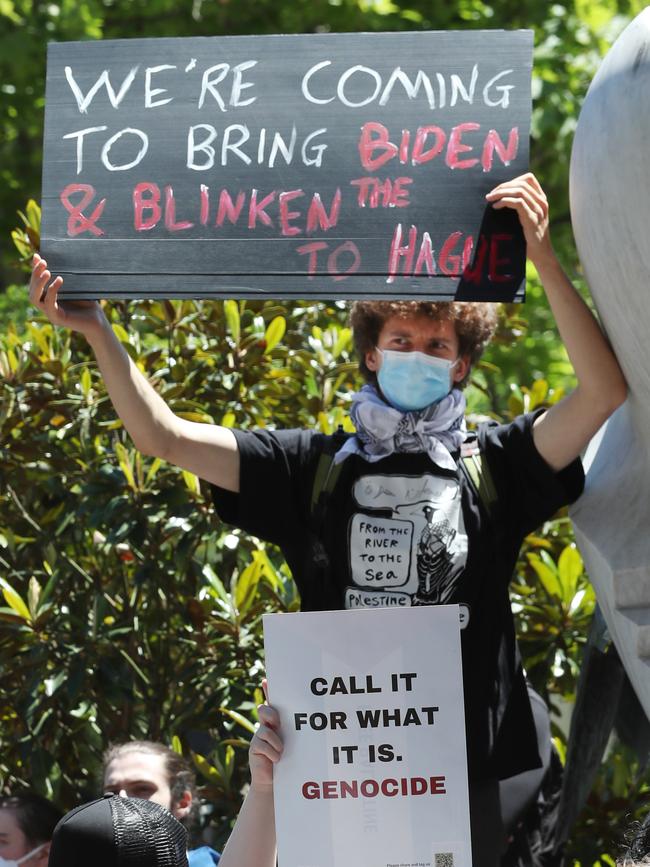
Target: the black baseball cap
pixel 119 832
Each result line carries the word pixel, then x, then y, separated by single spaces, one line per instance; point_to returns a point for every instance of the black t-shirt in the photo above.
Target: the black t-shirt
pixel 403 531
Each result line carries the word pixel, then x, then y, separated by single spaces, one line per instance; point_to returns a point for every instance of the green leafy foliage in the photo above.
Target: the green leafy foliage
pixel 129 611
pixel 126 610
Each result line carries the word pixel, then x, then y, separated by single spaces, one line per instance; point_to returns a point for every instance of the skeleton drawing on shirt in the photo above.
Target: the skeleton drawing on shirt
pixel 407 541
pixel 435 561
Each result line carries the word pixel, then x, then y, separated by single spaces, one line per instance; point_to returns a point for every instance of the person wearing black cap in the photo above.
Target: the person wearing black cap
pixel 113 831
pixel 155 772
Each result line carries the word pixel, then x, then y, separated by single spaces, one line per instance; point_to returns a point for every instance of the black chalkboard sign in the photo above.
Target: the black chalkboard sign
pixel 330 166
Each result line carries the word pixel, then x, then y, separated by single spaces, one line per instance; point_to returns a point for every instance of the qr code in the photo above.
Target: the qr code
pixel 443 859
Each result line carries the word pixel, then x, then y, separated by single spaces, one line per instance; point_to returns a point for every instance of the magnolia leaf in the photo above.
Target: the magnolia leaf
pixel 191 482
pixel 275 332
pixel 153 469
pixel 215 581
pixel 570 569
pixel 135 666
pixel 515 405
pixel 343 340
pixel 9 616
pixel 259 698
pixel 125 465
pixel 15 602
pixel 18 237
pixel 206 768
pixel 538 392
pixel 546 575
pixel 85 381
pixel 53 683
pixel 538 541
pixel 199 417
pixel 236 742
pixel 38 334
pixel 324 423
pixel 34 594
pixel 246 586
pixel 487 365
pixel 230 762
pixel 33 212
pixel 231 312
pixel 238 718
pixel 120 332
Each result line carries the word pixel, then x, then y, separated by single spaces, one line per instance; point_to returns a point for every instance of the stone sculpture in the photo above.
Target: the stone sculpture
pixel 610 207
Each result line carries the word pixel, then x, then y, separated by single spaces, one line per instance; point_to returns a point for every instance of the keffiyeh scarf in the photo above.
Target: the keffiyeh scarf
pixel 382 430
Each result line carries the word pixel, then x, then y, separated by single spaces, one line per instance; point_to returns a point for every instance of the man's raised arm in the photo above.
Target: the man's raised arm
pixel 209 451
pixel 563 431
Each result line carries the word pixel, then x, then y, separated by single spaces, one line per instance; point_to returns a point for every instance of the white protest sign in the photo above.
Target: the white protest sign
pixel 374 770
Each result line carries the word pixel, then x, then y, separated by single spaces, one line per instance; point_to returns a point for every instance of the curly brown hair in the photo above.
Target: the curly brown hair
pixel 474 322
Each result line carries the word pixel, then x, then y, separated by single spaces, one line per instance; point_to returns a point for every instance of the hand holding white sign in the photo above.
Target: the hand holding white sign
pixel 374 767
pixel 252 842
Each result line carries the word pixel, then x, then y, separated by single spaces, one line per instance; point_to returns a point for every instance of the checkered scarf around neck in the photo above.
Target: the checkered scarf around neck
pixel 382 430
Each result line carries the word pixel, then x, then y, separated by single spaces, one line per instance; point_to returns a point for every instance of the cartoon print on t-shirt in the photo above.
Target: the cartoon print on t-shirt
pixel 408 544
pixel 434 559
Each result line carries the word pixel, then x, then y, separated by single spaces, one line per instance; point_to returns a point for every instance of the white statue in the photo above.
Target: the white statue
pixel 610 206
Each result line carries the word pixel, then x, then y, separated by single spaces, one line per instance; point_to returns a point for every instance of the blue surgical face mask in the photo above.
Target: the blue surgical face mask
pixel 413 380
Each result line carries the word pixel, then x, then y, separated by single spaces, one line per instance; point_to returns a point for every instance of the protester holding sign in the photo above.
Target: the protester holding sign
pixel 252 841
pixel 398 519
pixel 374 766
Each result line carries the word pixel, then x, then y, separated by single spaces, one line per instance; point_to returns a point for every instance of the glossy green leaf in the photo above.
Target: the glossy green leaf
pixel 231 312
pixel 238 718
pixel 191 482
pixel 206 769
pixel 15 601
pixel 246 585
pixel 547 576
pixel 86 382
pixel 125 464
pixel 570 568
pixel 538 392
pixel 120 332
pixel 275 332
